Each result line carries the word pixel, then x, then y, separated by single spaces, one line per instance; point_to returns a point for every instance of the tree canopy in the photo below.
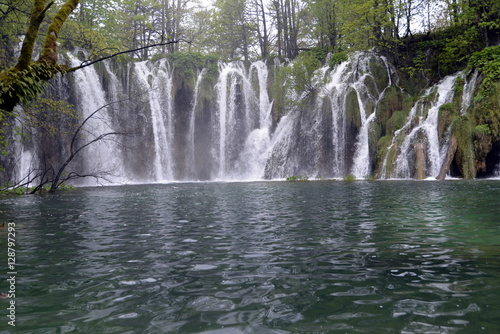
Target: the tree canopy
pixel 242 29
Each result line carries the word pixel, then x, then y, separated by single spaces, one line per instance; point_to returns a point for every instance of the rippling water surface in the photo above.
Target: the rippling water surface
pixel 270 257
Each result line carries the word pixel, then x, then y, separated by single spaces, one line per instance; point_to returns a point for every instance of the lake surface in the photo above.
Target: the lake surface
pixel 264 257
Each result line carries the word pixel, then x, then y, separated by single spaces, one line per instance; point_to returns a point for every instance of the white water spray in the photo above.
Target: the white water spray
pixel 157 80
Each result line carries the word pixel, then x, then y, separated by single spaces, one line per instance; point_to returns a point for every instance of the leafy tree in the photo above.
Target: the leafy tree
pixel 232 28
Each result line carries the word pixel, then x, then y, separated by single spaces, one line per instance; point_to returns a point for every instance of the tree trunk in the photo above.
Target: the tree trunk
pixel 450 154
pixel 49 54
pixel 420 173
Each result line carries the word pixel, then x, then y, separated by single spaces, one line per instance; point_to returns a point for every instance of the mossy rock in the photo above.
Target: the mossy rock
pixel 396 122
pixel 374 134
pixel 379 73
pixel 389 104
pixel 382 152
pixel 446 114
pixel 370 83
pixel 352 114
pixel 486 108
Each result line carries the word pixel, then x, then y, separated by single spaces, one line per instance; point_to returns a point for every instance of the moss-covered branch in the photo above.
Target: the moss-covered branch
pixel 36 19
pixel 49 54
pixel 25 80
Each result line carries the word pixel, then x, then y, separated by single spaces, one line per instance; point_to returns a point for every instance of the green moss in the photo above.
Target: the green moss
pixel 382 150
pixel 371 85
pixel 349 178
pixel 352 109
pixel 391 102
pixel 397 121
pixel 374 134
pixel 298 178
pixel 486 107
pixel 379 73
pixel 446 114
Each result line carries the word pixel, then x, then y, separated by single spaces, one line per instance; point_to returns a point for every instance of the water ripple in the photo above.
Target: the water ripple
pixel 259 258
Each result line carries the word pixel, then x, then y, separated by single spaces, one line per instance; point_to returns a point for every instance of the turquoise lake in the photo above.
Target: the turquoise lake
pixel 257 257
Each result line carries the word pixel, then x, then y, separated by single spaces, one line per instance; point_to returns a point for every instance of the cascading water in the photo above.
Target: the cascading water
pixel 243 121
pixel 336 92
pixel 421 128
pixel 254 155
pixel 469 89
pixel 182 134
pixel 25 162
pixel 361 161
pixel 156 79
pixel 102 156
pixel 191 163
pixel 331 138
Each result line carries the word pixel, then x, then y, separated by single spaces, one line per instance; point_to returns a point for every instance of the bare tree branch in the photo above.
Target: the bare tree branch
pixel 89 63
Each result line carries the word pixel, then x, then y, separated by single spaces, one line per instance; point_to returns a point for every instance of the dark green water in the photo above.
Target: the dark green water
pixel 270 257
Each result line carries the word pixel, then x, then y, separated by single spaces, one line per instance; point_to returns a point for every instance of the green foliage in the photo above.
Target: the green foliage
pixel 419 65
pixel 298 178
pixel 320 53
pixel 482 130
pixel 23 85
pixel 76 35
pixel 486 107
pixel 446 115
pixel 488 62
pixel 4 123
pixel 302 70
pixel 279 91
pixel 189 62
pixel 7 190
pixel 349 178
pixel 338 58
pixel 457 50
pixel 50 117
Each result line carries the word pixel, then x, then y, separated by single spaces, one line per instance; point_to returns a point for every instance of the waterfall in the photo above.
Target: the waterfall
pixel 243 121
pixel 422 127
pixel 191 161
pixel 361 162
pixel 103 156
pixel 469 89
pixel 25 162
pixel 334 143
pixel 336 91
pixel 156 79
pixel 330 130
pixel 254 155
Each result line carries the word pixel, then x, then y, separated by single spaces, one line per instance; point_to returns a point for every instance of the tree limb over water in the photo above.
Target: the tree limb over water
pixel 87 63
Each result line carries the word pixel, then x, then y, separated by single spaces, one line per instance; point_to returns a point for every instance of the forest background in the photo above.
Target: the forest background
pixel 250 29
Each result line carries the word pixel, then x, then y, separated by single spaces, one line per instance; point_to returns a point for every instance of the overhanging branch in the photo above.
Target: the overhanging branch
pixel 89 63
